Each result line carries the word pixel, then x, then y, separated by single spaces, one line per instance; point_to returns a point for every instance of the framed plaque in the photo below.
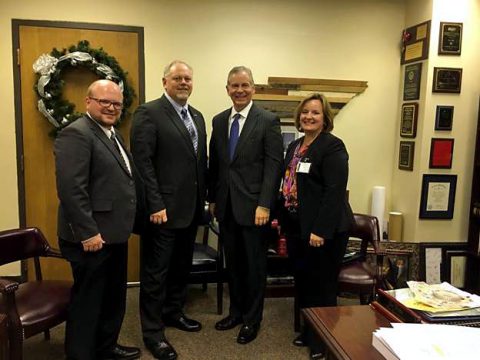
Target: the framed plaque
pixel 408 120
pixel 450 39
pixel 447 80
pixel 444 118
pixel 441 153
pixel 438 196
pixel 415 41
pixel 411 83
pixel 405 155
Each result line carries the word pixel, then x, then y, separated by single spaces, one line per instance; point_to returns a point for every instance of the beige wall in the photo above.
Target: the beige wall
pixel 337 39
pixel 464 122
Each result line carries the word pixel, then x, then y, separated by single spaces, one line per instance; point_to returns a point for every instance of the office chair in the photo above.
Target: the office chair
pixel 33 306
pixel 357 275
pixel 208 262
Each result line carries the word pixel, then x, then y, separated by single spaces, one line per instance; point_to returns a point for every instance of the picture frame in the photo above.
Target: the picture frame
pixel 408 120
pixel 416 42
pixel 435 261
pixel 406 155
pixel 447 80
pixel 411 81
pixel 444 118
pixel 441 153
pixel 456 267
pixel 450 38
pixel 438 196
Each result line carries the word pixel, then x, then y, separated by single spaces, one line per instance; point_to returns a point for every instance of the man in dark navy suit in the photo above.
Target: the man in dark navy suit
pixel 246 154
pixel 169 148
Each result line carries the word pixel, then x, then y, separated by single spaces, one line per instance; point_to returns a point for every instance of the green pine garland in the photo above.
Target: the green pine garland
pixel 61 109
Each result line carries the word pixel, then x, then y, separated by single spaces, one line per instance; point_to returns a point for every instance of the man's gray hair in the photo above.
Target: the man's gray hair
pixel 167 69
pixel 239 69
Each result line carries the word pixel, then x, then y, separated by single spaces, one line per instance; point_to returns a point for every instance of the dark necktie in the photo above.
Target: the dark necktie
pixel 117 147
pixel 190 128
pixel 234 134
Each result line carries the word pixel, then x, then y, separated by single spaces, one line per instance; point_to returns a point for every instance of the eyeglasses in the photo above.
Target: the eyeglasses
pixel 106 103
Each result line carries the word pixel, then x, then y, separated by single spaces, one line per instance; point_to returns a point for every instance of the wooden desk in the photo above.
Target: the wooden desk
pixel 347 330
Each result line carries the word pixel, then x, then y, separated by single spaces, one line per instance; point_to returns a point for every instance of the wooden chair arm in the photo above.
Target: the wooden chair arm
pixel 52 252
pixel 8 286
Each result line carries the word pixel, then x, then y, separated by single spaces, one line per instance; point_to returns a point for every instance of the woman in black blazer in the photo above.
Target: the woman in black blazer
pixel 316 216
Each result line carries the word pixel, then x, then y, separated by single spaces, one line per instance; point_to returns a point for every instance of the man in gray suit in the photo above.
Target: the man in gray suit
pixel 97 209
pixel 169 147
pixel 246 152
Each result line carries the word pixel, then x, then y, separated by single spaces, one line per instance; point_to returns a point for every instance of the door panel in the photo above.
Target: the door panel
pixel 38 161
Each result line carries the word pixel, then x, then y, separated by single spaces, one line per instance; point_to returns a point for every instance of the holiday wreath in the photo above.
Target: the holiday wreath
pixel 58 111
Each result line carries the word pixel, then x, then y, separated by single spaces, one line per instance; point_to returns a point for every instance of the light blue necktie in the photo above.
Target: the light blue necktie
pixel 234 134
pixel 190 128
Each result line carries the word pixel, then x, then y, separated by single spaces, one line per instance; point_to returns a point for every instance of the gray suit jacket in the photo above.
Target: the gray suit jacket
pixel 95 189
pixel 174 175
pixel 252 178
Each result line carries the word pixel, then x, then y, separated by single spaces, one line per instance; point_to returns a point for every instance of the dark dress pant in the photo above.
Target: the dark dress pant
pixel 98 299
pixel 246 260
pixel 166 260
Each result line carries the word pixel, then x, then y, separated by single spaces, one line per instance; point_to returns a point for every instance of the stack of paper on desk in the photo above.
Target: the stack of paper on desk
pixel 427 341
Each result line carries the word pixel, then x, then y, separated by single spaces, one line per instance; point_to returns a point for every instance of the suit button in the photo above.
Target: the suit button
pixel 133 201
pixel 131 182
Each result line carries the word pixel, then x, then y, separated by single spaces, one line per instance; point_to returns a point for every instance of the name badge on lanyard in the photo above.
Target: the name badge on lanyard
pixel 303 167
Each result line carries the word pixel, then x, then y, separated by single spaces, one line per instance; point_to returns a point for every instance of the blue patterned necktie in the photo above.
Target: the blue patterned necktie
pixel 234 134
pixel 190 128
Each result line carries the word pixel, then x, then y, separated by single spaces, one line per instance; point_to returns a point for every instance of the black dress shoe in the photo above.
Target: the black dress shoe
pixel 247 333
pixel 316 355
pixel 183 323
pixel 227 323
pixel 122 353
pixel 299 341
pixel 161 350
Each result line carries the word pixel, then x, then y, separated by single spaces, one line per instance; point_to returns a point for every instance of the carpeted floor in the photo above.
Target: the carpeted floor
pixel 274 341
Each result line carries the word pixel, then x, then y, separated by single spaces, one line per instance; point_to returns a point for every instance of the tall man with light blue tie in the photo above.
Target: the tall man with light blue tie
pixel 168 145
pixel 246 153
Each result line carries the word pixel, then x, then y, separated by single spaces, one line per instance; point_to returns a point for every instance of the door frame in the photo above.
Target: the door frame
pixel 17 86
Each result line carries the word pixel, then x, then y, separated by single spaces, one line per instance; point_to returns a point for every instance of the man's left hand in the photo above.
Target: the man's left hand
pixel 262 215
pixel 316 241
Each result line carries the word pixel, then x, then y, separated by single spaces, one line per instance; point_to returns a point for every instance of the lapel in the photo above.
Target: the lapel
pixel 108 143
pixel 250 123
pixel 222 138
pixel 178 122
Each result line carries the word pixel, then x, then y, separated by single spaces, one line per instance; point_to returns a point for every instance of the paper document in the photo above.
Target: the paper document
pixel 427 341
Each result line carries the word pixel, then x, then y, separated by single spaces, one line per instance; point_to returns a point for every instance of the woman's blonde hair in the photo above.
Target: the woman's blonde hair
pixel 327 112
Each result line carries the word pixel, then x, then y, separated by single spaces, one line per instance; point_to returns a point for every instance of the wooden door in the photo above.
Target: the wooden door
pixel 38 198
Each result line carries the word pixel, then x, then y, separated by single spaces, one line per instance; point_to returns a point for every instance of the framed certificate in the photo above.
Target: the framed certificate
pixel 450 39
pixel 447 80
pixel 444 118
pixel 405 155
pixel 411 83
pixel 408 120
pixel 415 43
pixel 441 153
pixel 438 196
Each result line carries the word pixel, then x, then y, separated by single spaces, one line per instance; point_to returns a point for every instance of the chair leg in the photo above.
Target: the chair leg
pixel 15 348
pixel 365 299
pixel 46 334
pixel 219 298
pixel 296 314
pixel 204 287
